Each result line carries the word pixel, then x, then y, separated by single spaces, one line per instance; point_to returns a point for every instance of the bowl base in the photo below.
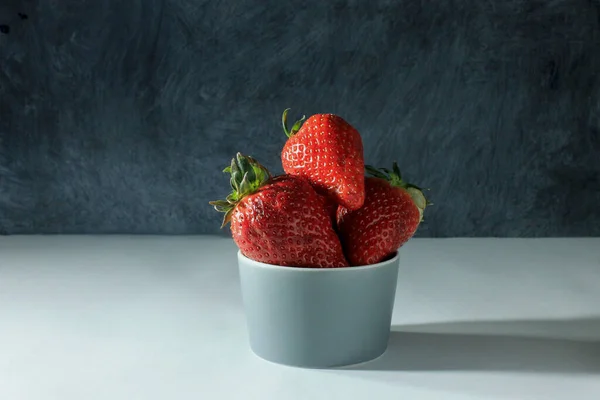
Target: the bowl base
pixel 357 361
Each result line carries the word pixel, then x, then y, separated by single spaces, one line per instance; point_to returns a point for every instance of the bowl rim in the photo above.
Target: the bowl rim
pixel 259 264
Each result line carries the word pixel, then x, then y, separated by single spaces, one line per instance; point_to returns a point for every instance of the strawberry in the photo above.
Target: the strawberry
pixel 329 152
pixel 278 220
pixel 390 216
pixel 331 206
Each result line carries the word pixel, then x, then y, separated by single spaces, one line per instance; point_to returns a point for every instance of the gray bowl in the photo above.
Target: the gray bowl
pixel 318 318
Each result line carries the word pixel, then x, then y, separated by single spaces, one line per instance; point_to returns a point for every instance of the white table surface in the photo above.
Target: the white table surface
pixel 150 317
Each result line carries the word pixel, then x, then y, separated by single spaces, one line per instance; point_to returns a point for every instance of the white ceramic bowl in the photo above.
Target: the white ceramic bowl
pixel 318 318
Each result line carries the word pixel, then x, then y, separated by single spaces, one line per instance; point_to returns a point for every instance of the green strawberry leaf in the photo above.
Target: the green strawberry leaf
pixel 295 127
pixel 247 176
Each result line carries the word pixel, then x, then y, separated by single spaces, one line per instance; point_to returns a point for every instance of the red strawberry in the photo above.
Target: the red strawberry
pixel 390 216
pixel 329 152
pixel 331 206
pixel 281 220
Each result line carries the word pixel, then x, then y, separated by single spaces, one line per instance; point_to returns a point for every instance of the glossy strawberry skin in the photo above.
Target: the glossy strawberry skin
pixel 329 152
pixel 331 207
pixel 286 223
pixel 386 221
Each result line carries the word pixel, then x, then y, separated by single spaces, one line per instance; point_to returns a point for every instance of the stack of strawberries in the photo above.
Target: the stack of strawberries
pixel 323 212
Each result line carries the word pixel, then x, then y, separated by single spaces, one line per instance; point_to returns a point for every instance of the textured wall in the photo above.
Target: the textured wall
pixel 118 116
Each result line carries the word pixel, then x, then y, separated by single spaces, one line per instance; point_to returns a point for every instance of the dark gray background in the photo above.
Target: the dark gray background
pixel 118 116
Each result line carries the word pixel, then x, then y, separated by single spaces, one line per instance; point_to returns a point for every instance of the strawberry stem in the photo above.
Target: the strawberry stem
pixel 295 127
pixel 247 176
